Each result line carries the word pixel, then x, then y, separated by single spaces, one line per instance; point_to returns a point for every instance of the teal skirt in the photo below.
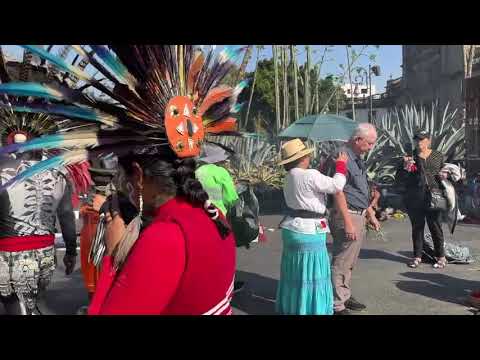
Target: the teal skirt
pixel 305 286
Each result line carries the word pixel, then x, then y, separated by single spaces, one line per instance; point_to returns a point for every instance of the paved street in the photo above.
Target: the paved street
pixel 382 280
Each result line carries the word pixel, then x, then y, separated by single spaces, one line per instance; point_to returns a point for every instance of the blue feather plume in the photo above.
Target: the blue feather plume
pixel 75 112
pixel 56 162
pixel 58 61
pixel 114 64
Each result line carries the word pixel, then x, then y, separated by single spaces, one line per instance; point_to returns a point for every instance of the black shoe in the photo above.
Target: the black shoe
pixel 354 305
pixel 238 286
pixel 343 312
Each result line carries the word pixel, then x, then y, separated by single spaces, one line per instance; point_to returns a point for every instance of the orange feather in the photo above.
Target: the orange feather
pixel 227 125
pixel 214 96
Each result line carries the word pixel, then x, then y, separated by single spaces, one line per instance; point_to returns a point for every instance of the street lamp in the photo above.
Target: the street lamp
pixel 375 69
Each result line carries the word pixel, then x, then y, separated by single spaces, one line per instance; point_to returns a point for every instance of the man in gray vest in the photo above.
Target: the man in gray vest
pixel 348 218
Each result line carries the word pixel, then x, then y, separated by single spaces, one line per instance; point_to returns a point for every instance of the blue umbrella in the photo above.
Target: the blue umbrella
pixel 318 128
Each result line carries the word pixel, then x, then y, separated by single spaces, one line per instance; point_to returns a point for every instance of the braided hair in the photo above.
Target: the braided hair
pixel 176 177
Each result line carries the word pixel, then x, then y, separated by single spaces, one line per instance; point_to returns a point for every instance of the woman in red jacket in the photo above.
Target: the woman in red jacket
pixel 183 262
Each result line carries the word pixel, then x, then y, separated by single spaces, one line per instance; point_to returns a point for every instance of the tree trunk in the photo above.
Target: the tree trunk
pixel 252 89
pixel 285 88
pixel 315 98
pixel 351 85
pixel 277 90
pixel 293 56
pixel 470 57
pixel 306 100
pixel 243 65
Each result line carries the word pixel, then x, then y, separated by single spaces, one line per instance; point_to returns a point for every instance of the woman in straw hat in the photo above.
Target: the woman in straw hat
pixel 305 286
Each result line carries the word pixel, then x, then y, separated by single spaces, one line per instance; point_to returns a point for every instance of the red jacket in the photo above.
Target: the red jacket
pixel 179 266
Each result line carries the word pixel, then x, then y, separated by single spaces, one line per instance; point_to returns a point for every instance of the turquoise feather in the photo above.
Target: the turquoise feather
pixel 236 107
pixel 55 141
pixel 58 61
pixel 56 162
pixel 68 111
pixel 30 89
pixel 114 64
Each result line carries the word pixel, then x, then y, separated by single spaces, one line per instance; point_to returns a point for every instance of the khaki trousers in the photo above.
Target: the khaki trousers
pixel 345 255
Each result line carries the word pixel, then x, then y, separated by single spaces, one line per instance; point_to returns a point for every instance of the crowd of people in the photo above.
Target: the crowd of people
pixel 156 236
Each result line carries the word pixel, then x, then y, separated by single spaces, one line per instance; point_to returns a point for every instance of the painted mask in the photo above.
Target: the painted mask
pixel 184 127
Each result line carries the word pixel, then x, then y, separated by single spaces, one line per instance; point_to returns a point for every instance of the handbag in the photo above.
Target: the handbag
pixel 435 200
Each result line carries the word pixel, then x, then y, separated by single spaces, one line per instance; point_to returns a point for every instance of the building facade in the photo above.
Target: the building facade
pixel 359 91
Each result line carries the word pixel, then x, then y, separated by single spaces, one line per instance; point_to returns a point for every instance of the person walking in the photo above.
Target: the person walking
pixel 215 179
pixel 420 174
pixel 305 287
pixel 27 226
pixel 352 207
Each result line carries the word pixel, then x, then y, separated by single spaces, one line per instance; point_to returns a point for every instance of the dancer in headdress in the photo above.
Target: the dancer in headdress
pixel 28 212
pixel 164 99
pixel 29 209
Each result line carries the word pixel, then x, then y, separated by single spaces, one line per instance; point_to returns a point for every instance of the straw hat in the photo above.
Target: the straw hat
pixel 293 150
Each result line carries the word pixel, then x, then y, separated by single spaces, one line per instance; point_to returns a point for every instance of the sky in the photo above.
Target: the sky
pixel 388 57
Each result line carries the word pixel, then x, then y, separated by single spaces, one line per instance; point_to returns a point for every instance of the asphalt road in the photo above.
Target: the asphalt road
pixel 382 280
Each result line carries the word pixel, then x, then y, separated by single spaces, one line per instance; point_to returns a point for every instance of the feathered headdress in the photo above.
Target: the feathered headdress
pixel 34 125
pixel 148 96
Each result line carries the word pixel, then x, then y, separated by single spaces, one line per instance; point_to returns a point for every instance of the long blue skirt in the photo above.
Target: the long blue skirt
pixel 305 286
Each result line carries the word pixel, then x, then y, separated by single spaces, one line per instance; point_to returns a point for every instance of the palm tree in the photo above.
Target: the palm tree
pixel 293 61
pixel 306 84
pixel 350 80
pixel 285 88
pixel 259 48
pixel 277 90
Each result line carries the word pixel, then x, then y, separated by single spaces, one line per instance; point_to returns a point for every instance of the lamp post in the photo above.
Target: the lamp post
pixel 358 80
pixel 375 69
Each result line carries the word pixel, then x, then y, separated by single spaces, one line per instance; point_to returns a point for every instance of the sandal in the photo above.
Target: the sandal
pixel 440 264
pixel 415 263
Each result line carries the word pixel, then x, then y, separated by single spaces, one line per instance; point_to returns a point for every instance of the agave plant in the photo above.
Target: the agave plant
pixel 397 128
pixel 254 160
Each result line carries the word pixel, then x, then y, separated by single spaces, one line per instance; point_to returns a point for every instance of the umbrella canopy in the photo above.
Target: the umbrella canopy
pixel 318 128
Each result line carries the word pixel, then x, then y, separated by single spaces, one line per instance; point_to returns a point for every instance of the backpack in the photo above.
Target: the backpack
pixel 243 216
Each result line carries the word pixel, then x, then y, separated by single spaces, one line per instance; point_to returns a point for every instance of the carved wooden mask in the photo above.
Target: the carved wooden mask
pixel 184 127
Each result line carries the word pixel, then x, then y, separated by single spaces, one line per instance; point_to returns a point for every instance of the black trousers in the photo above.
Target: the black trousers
pixel 418 216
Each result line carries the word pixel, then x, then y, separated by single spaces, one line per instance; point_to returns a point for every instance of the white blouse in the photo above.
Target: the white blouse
pixel 305 189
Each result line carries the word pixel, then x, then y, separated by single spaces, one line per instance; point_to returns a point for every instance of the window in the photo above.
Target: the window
pixel 348 91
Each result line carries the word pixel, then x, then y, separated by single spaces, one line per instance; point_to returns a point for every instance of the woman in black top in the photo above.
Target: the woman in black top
pixel 420 174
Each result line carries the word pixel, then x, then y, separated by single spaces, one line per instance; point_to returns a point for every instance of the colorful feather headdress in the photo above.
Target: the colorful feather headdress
pixel 35 125
pixel 148 96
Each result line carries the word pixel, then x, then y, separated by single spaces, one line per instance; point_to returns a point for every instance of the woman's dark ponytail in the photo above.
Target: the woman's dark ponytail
pixel 192 190
pixel 176 176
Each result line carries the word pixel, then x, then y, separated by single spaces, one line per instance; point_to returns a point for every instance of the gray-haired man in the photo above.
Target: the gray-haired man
pixel 351 210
